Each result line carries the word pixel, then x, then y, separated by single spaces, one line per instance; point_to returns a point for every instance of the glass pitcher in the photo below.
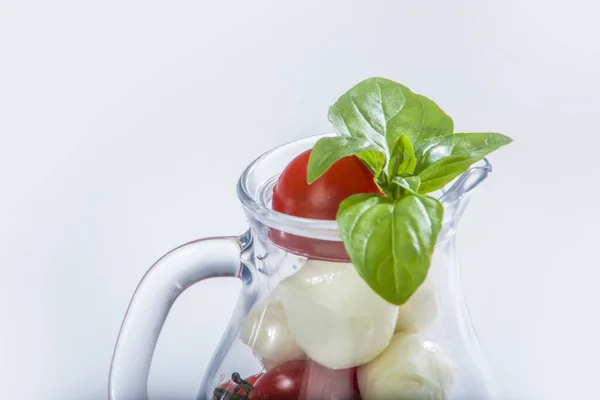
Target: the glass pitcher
pixel 293 329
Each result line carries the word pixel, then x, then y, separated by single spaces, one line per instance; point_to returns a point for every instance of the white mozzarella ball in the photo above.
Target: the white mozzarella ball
pixel 421 309
pixel 335 317
pixel 267 332
pixel 411 368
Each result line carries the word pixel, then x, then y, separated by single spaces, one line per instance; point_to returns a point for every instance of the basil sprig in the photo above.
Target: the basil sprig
pixel 409 144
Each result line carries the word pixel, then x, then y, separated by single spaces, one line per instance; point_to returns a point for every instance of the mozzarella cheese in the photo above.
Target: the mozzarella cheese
pixel 411 368
pixel 335 317
pixel 421 309
pixel 267 332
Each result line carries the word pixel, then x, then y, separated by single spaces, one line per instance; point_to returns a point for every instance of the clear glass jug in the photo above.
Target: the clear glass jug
pixel 292 318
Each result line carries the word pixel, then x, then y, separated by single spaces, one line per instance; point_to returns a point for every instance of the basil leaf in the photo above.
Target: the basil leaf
pixel 442 159
pixel 410 183
pixel 402 158
pixel 391 242
pixel 374 159
pixel 398 186
pixel 383 110
pixel 421 119
pixel 328 150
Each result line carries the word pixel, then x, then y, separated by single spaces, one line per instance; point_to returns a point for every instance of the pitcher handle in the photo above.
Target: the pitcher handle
pixel 148 309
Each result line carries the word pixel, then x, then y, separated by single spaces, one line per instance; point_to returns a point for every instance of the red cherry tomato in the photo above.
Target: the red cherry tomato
pixel 355 380
pixel 230 385
pixel 305 380
pixel 320 200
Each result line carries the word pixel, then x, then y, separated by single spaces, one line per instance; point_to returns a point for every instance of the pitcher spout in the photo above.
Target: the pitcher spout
pixel 455 196
pixel 466 182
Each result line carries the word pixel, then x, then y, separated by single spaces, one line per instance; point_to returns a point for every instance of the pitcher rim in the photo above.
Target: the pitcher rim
pixel 328 229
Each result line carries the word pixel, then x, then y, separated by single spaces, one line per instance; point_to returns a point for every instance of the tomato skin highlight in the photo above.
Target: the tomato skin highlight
pixel 305 380
pixel 293 195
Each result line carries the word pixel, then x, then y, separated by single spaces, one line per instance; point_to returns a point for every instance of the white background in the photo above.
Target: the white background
pixel 125 124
